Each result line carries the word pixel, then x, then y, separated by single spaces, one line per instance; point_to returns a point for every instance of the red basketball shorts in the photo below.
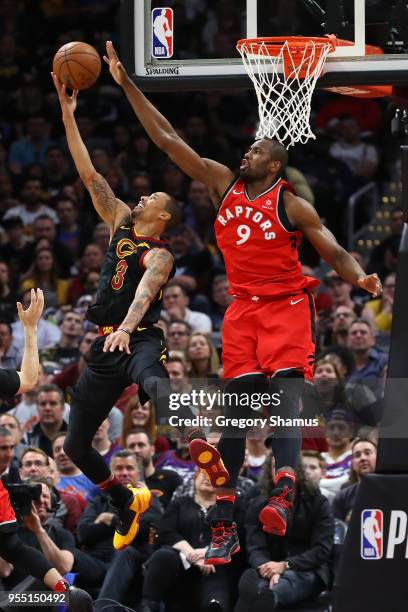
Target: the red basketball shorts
pixel 269 336
pixel 8 521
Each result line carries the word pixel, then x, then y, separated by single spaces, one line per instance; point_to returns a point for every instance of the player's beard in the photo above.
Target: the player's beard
pixel 136 213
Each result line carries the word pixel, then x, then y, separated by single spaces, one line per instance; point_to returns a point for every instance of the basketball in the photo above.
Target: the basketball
pixel 77 65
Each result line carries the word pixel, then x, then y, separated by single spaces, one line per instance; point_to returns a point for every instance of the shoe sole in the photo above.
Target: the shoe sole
pixel 134 528
pixel 272 522
pixel 209 460
pixel 222 560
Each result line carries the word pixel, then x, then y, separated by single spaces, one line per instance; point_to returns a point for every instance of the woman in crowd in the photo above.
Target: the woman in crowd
pixel 136 414
pixel 44 273
pixel 202 356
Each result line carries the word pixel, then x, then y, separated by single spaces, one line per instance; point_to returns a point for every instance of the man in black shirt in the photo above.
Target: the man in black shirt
pixel 12 549
pixel 129 300
pixel 162 483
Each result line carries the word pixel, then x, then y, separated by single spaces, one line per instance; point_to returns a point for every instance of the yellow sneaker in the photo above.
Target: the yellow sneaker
pixel 129 517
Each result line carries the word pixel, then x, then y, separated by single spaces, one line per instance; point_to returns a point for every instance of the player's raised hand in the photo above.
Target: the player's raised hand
pixel 68 103
pixel 32 315
pixel 116 67
pixel 371 283
pixel 117 340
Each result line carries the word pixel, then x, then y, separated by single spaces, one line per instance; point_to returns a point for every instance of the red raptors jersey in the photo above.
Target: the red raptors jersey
pixel 259 246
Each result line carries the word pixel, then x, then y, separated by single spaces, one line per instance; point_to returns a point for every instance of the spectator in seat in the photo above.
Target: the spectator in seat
pixel 343 317
pixel 370 362
pixel 32 204
pixel 285 571
pixel 380 309
pixel 202 356
pixel 15 251
pixel 13 425
pixel 68 377
pixel 175 301
pixel 71 478
pixel 314 468
pixel 44 273
pixel 192 259
pixel 184 536
pixel 7 451
pixel 162 483
pixel 340 291
pixel 360 158
pixel 67 351
pixel 56 543
pixel 91 261
pixel 69 233
pixel 32 147
pixel 221 299
pixel 10 354
pixel 7 296
pixel 103 444
pixel 34 462
pixel 178 335
pixel 50 406
pixel 339 433
pixel 178 460
pixel 136 414
pixel 96 532
pixel 44 227
pixel 364 457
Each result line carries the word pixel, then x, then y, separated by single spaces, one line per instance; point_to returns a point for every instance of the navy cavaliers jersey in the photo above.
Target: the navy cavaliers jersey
pixel 259 245
pixel 121 274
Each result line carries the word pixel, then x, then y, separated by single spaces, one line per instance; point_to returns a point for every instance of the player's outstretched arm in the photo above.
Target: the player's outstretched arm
pixel 29 318
pixel 215 175
pixel 304 217
pixel 158 263
pixel 109 208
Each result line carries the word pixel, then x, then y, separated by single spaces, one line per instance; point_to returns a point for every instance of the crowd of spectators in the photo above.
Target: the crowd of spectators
pixel 50 237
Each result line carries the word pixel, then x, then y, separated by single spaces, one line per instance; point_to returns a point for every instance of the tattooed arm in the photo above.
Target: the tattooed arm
pixel 108 207
pixel 158 263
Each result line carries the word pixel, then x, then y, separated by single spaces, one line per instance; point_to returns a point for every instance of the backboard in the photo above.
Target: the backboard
pixel 190 44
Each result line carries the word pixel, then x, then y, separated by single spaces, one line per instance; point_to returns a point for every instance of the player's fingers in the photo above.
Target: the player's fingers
pixel 75 94
pixel 19 308
pixel 106 59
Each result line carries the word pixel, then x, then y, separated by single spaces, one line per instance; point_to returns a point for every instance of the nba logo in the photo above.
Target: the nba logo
pixel 371 534
pixel 162 33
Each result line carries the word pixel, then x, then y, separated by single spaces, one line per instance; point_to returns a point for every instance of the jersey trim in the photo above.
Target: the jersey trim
pixel 139 236
pixel 141 258
pixel 260 194
pixel 227 191
pixel 281 213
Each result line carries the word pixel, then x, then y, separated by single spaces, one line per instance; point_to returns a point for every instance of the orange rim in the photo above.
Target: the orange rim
pixel 297 44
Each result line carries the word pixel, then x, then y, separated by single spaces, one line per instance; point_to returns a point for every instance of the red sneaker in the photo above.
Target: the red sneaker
pixel 275 516
pixel 209 460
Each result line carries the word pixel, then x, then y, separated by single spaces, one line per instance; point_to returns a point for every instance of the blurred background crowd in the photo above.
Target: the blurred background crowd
pixel 50 237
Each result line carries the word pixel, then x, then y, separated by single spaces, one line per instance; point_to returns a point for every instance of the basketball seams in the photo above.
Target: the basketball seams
pixel 78 65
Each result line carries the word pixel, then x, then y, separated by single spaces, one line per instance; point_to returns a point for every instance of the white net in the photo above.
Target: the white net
pixel 284 82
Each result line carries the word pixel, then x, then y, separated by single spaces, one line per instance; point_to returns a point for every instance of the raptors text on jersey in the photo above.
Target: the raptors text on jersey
pixel 259 246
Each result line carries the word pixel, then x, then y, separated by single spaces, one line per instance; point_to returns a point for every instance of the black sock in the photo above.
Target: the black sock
pixel 119 494
pixel 224 510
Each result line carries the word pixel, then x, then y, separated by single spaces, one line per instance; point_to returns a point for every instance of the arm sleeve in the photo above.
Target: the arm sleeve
pixel 321 539
pixel 9 382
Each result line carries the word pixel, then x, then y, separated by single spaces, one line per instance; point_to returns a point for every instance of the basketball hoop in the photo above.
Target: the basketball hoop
pixel 284 73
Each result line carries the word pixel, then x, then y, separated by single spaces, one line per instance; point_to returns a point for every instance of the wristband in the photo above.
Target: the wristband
pixel 124 330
